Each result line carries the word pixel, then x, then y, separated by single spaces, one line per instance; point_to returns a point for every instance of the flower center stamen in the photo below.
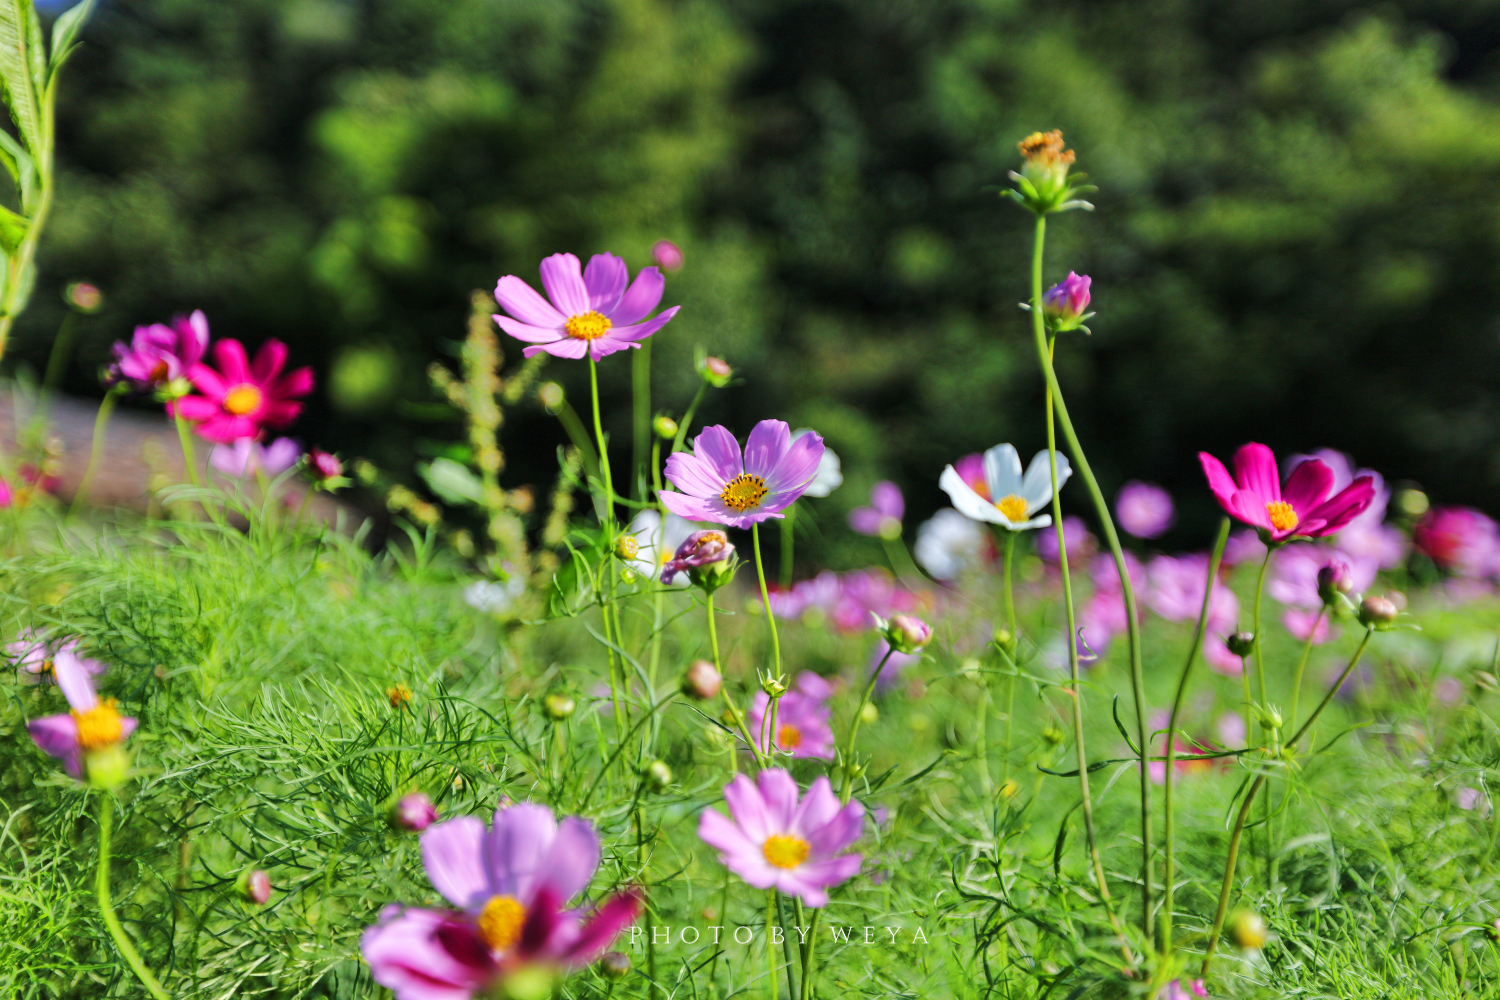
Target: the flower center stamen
pixel 1013 507
pixel 99 727
pixel 788 736
pixel 784 850
pixel 1283 517
pixel 587 326
pixel 500 921
pixel 160 371
pixel 743 492
pixel 242 399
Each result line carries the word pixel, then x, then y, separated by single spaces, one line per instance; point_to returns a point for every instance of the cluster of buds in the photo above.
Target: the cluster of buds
pixel 1043 185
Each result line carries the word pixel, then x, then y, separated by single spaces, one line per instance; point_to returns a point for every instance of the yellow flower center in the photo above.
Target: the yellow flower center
pixel 744 492
pixel 242 399
pixel 788 737
pixel 1283 518
pixel 785 851
pixel 1013 507
pixel 587 326
pixel 99 727
pixel 500 921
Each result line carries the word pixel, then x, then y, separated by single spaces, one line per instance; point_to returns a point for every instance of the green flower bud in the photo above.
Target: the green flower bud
pixel 614 964
pixel 1377 612
pixel 658 776
pixel 869 713
pixel 666 429
pixel 558 706
pixel 1241 643
pixel 627 546
pixel 1247 930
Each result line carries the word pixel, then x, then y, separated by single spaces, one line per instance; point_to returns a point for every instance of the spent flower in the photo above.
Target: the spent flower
pixel 1043 184
pixel 587 311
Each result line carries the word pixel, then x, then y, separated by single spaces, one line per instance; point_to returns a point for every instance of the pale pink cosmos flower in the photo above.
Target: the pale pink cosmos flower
pixel 587 311
pixel 773 838
pixel 1306 507
pixel 1081 542
pixel 867 594
pixel 508 886
pixel 1144 510
pixel 721 485
pixel 822 594
pixel 33 655
pixel 248 457
pixel 882 519
pixel 1176 594
pixel 802 717
pixel 92 724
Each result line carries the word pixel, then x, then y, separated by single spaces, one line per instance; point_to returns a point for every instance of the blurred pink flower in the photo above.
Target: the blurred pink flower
pixel 158 354
pixel 1367 536
pixel 1293 577
pixel 1081 544
pixel 822 593
pixel 249 457
pixel 802 716
pixel 243 398
pixel 1244 546
pixel 1459 539
pixel 666 255
pixel 92 724
pixel 586 311
pixel 882 519
pixel 1144 510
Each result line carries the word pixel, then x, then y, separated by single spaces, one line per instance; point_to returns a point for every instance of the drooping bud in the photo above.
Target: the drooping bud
pixel 558 706
pixel 414 812
pixel 658 776
pixel 84 297
pixel 614 964
pixel 627 547
pixel 701 680
pixel 666 255
pixel 550 394
pixel 1375 612
pixel 716 372
pixel 907 633
pixel 706 556
pixel 666 429
pixel 1241 643
pixel 1063 304
pixel 254 887
pixel 1248 930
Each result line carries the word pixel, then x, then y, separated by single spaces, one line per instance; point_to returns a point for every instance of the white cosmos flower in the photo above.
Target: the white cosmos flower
pixel 657 546
pixel 948 544
pixel 1017 497
pixel 830 474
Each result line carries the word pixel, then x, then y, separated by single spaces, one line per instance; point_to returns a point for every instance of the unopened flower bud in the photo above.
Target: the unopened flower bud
pixel 1376 611
pixel 701 680
pixel 413 813
pixel 398 695
pixel 774 687
pixel 1053 735
pixel 627 546
pixel 666 255
pixel 550 394
pixel 1010 789
pixel 1005 639
pixel 614 964
pixel 659 776
pixel 907 633
pixel 325 470
pixel 666 429
pixel 1412 502
pixel 1241 643
pixel 868 713
pixel 1270 717
pixel 1248 930
pixel 706 556
pixel 1334 579
pixel 558 706
pixel 1063 304
pixel 716 372
pixel 84 297
pixel 254 887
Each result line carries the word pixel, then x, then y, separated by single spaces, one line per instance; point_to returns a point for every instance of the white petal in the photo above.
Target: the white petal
pixel 969 503
pixel 1002 471
pixel 1037 489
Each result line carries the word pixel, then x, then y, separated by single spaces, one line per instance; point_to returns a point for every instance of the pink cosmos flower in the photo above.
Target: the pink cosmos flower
pixel 719 485
pixel 590 310
pixel 247 457
pixel 802 715
pixel 866 594
pixel 1459 539
pixel 33 654
pixel 1144 509
pixel 243 398
pixel 1176 592
pixel 158 354
pixel 666 254
pixel 970 471
pixel 821 593
pixel 508 885
pixel 882 519
pixel 1305 507
pixel 773 839
pixel 93 724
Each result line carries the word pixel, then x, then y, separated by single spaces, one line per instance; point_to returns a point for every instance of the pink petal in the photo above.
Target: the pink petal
pixel 543 915
pixel 779 790
pixel 568 347
pixel 1308 485
pixel 768 442
pixel 640 331
pixel 522 301
pixel 692 508
pixel 208 382
pixel 716 446
pixel 798 466
pixel 573 857
pixel 269 361
pixel 454 854
pixel 1255 471
pixel 1220 483
pixel 605 279
pixel 127 726
pixel 519 841
pixel 644 295
pixel 278 414
pixel 74 680
pixel 562 276
pixel 865 520
pixel 1348 504
pixel 230 354
pixel 603 927
pixel 691 474
pixel 748 807
pixel 818 806
pixel 838 833
pixel 294 383
pixel 604 346
pixel 423 955
pixel 57 736
pixel 523 331
pixel 886 497
pixel 1250 508
pixel 720 832
pixel 195 340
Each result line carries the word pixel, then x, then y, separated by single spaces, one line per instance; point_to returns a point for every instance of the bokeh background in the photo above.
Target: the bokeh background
pixel 1297 237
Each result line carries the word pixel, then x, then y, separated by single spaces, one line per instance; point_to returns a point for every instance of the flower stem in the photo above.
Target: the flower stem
pixel 184 438
pixel 765 596
pixel 1239 821
pixel 1187 669
pixel 847 791
pixel 101 421
pixel 609 489
pixel 1260 679
pixel 107 910
pixel 1054 397
pixel 640 393
pixel 1302 665
pixel 687 419
pixel 1010 624
pixel 807 955
pixel 786 946
pixel 772 992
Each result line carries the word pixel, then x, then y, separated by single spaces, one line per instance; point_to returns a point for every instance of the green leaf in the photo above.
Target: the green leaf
pixel 65 29
pixel 21 166
pixel 453 482
pixel 36 52
pixel 573 585
pixel 17 27
pixel 13 229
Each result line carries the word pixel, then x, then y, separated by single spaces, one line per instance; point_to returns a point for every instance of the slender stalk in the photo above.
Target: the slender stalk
pixel 1010 625
pixel 1169 841
pixel 786 946
pixel 1302 665
pixel 107 909
pixel 847 791
pixel 609 488
pixel 1054 397
pixel 184 438
pixel 807 955
pixel 101 421
pixel 1239 821
pixel 640 392
pixel 765 596
pixel 772 991
pixel 1260 678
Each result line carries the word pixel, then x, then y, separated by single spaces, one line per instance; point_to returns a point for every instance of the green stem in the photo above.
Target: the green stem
pixel 1187 669
pixel 1054 398
pixel 786 946
pixel 847 791
pixel 1011 627
pixel 609 488
pixel 807 955
pixel 184 438
pixel 1239 821
pixel 101 421
pixel 1260 679
pixel 107 910
pixel 1302 665
pixel 900 559
pixel 765 596
pixel 772 992
pixel 640 386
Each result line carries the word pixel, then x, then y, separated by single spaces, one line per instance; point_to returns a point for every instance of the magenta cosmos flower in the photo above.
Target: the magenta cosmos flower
pixel 1458 539
pixel 508 884
pixel 242 398
pixel 802 715
pixel 158 354
pixel 1301 508
pixel 771 839
pixel 590 312
pixel 719 485
pixel 882 519
pixel 94 724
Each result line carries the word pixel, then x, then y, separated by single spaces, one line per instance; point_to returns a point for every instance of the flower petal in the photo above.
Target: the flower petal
pixel 230 354
pixel 573 857
pixel 522 301
pixel 1002 471
pixel 843 829
pixel 1036 488
pixel 207 381
pixel 885 496
pixel 269 361
pixel 644 295
pixel 764 448
pixel 1220 482
pixel 453 853
pixel 817 807
pixel 602 347
pixel 1344 507
pixel 606 924
pixel 562 276
pixel 1255 471
pixel 1308 486
pixel 605 278
pixel 74 680
pixel 748 808
pixel 716 446
pixel 426 955
pixel 779 790
pixel 57 736
pixel 694 476
pixel 518 844
pixel 530 334
pixel 298 382
pixel 797 468
pixel 568 347
pixel 640 331
pixel 966 501
pixel 692 508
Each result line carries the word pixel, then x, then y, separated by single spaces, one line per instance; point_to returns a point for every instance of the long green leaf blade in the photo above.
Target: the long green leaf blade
pixel 16 18
pixel 65 31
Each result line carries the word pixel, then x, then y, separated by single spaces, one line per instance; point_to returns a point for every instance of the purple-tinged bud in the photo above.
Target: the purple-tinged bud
pixel 716 372
pixel 1241 643
pixel 666 429
pixel 1334 579
pixel 325 470
pixel 413 813
pixel 254 887
pixel 614 964
pixel 1064 303
pixel 907 633
pixel 667 256
pixel 84 297
pixel 701 680
pixel 705 556
pixel 1375 612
